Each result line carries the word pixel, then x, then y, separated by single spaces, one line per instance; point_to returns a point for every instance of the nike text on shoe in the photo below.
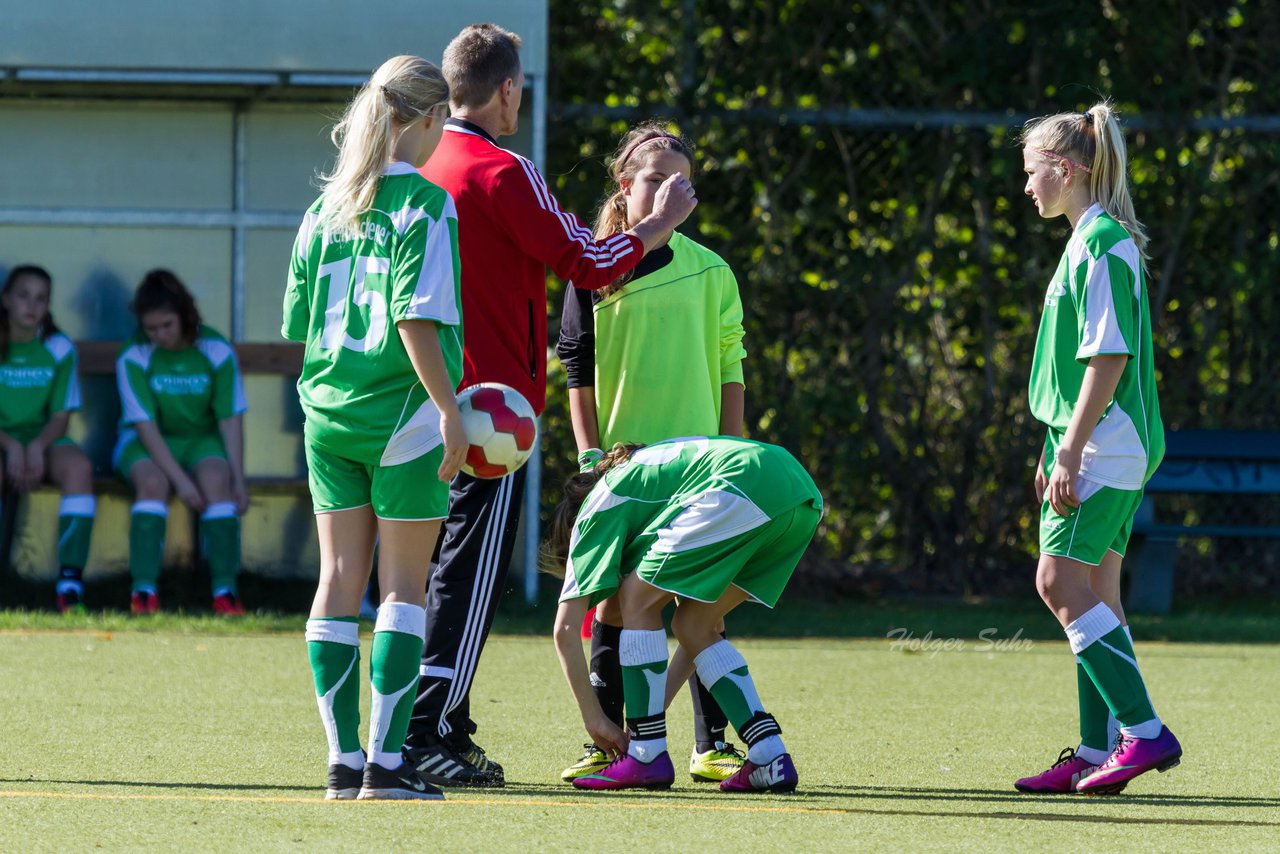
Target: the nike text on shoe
pixel 778 776
pixel 444 766
pixel 716 765
pixel 1130 758
pixel 344 782
pixel 397 784
pixel 627 772
pixel 1060 778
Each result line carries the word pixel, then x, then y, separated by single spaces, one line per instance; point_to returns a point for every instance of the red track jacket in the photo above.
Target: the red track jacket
pixel 510 229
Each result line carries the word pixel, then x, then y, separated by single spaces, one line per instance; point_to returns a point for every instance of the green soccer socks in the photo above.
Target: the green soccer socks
pixel 220 541
pixel 75 529
pixel 146 543
pixel 724 671
pixel 1103 650
pixel 393 672
pixel 333 645
pixel 643 656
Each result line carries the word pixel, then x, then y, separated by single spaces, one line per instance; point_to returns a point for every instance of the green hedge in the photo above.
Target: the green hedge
pixel 860 171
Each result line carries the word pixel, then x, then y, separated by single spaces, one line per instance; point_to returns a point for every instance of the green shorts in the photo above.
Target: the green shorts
pixel 408 492
pixel 187 450
pixel 759 562
pixel 1101 523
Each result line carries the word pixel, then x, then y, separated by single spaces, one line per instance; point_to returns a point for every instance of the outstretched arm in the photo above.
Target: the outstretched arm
pixel 604 732
pixel 523 205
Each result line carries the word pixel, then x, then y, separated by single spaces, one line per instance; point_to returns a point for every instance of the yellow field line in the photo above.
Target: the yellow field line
pixel 276 799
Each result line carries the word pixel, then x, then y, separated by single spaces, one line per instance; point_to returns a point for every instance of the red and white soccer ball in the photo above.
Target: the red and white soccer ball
pixel 501 428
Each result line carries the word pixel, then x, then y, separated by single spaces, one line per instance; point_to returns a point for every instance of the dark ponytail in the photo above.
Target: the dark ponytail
pixel 555 549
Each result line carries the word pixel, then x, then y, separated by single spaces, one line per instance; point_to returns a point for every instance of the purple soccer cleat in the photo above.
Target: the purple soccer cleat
pixel 627 772
pixel 777 776
pixel 1131 757
pixel 1060 778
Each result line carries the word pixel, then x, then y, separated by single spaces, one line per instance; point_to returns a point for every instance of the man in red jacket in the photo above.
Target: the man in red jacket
pixel 510 229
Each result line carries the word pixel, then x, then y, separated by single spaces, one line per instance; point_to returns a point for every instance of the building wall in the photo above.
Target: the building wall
pixel 104 176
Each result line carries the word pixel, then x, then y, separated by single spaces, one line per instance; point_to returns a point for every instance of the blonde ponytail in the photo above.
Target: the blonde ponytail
pixel 402 90
pixel 1109 181
pixel 1093 139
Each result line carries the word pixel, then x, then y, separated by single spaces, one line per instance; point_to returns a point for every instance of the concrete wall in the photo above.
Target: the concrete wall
pixel 102 180
pixel 274 35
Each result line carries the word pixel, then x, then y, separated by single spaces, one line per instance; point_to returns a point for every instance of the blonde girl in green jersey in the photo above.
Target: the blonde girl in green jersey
pixel 373 293
pixel 654 355
pixel 1093 386
pixel 39 389
pixel 181 417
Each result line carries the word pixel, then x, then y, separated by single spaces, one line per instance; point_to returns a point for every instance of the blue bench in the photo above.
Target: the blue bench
pixel 1197 462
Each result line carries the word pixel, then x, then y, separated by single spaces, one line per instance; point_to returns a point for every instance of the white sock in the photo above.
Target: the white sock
pixel 1092 755
pixel 766 750
pixel 648 750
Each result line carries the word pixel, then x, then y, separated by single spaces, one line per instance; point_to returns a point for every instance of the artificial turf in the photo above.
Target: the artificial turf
pixel 188 734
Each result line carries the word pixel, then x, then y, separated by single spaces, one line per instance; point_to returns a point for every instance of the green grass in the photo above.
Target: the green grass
pixel 200 735
pixel 1225 622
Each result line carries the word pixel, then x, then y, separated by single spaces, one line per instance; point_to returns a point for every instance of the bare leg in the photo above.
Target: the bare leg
pixel 1064 586
pixel 697 625
pixel 404 557
pixel 213 476
pixel 1105 582
pixel 70 470
pixel 346 557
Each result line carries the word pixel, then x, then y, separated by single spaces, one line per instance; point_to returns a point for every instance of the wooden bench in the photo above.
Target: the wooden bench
pixel 1197 462
pixel 285 359
pixel 98 358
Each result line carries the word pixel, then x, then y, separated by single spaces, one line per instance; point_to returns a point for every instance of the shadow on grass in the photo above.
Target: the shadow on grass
pixel 153 784
pixel 812 799
pixel 1007 796
pixel 806 800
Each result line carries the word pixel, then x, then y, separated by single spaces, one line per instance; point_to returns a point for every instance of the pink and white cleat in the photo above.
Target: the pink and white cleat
pixel 1061 777
pixel 777 776
pixel 1131 757
pixel 627 772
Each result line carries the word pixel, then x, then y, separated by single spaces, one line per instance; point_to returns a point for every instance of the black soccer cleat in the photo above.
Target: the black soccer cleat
pixel 445 766
pixel 397 784
pixel 344 782
pixel 475 754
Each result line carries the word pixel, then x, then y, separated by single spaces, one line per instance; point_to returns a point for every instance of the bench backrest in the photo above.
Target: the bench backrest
pixel 1219 462
pixel 285 359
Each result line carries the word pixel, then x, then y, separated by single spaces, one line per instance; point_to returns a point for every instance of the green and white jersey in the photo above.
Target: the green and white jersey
pixel 1097 304
pixel 679 495
pixel 346 292
pixel 37 380
pixel 185 392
